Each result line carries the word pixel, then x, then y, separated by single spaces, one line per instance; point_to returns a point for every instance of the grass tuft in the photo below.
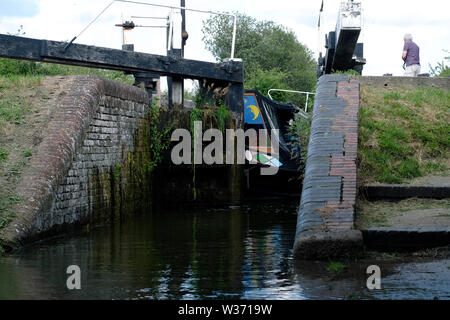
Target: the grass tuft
pixel 336 268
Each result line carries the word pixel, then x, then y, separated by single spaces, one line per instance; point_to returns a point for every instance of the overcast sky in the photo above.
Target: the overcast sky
pixel 385 23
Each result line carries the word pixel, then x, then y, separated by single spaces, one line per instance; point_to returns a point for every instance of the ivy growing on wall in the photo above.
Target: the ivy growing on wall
pixel 159 137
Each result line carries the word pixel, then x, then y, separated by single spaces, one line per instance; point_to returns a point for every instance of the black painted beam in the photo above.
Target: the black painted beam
pixel 98 57
pixel 331 47
pixel 345 48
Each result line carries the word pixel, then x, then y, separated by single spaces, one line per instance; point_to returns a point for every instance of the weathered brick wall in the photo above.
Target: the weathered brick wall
pixel 326 214
pixel 97 167
pixel 91 164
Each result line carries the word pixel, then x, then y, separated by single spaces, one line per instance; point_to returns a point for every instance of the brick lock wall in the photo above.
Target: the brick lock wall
pixel 91 164
pixel 343 164
pixel 96 169
pixel 326 214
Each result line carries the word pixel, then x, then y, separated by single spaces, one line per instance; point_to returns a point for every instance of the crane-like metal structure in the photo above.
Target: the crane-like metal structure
pixel 343 52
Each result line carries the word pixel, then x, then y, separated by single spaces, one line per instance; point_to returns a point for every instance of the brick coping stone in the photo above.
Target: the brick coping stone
pixel 408 83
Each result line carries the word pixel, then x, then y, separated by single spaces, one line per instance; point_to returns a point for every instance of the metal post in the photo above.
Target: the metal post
pixel 175 49
pixel 293 91
pixel 307 98
pixel 169 40
pixel 233 43
pixel 183 25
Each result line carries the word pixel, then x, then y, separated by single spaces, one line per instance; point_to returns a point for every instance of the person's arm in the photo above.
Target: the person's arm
pixel 405 51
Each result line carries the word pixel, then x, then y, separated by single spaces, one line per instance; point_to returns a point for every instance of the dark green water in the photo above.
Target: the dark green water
pixel 228 253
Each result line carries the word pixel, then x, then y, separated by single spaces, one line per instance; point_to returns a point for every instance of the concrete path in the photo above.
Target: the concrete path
pixel 424 218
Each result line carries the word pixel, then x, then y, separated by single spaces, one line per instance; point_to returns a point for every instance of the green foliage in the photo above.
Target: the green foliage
pixel 14 68
pixel 210 108
pixel 201 99
pixel 195 115
pixel 11 68
pixel 217 116
pixel 222 116
pixel 445 72
pixel 267 49
pixel 19 67
pixel 189 94
pixel 7 200
pixel 16 169
pixel 264 80
pixel 300 131
pixel 117 169
pixel 441 69
pixel 403 134
pixel 3 154
pixel 12 110
pixel 350 72
pixel 159 137
pixel 217 35
pixel 335 267
pixel 27 153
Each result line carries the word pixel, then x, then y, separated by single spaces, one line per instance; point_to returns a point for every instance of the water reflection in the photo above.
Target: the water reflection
pixel 228 253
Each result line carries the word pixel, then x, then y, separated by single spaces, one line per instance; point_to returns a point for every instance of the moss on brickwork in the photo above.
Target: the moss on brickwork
pixel 189 183
pixel 88 167
pixel 128 186
pixel 135 186
pixel 98 163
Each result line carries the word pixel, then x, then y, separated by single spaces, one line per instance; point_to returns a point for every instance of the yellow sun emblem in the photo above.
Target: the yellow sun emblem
pixel 254 109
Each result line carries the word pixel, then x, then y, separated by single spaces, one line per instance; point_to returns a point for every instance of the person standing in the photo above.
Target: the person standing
pixel 411 56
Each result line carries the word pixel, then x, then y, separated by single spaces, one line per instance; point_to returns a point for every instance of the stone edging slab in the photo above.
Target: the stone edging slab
pixel 378 192
pixel 405 238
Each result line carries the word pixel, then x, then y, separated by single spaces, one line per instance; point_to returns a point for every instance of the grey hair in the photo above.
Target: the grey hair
pixel 408 36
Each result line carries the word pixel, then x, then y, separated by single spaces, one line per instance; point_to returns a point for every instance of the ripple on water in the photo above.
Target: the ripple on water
pixel 223 253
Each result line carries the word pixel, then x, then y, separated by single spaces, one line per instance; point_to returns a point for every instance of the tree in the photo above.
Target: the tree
pixel 271 53
pixel 263 80
pixel 441 69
